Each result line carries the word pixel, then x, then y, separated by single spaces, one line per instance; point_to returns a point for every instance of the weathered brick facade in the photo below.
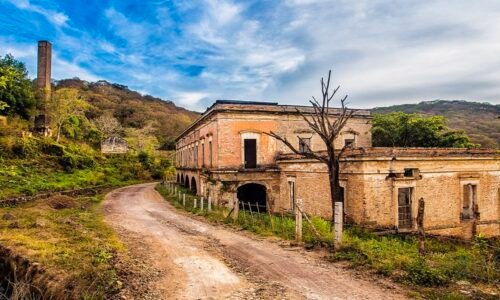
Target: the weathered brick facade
pixel 211 159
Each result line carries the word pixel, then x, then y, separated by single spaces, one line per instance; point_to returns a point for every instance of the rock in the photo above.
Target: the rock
pixel 14 225
pixel 40 223
pixel 309 246
pixel 8 216
pixel 465 292
pixel 463 282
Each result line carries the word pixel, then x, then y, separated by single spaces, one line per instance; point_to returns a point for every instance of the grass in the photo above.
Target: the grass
pixel 396 256
pixel 73 241
pixel 32 176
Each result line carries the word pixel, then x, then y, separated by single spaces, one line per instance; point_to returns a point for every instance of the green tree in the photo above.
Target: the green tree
pixel 64 105
pixel 16 92
pixel 399 129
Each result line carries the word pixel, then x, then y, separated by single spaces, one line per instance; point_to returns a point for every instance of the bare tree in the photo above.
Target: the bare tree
pixel 327 123
pixel 108 125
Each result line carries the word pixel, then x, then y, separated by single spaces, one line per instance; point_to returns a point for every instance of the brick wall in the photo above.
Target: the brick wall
pixel 371 197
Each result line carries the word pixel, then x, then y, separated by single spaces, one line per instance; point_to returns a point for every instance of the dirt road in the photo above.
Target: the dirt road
pixel 190 259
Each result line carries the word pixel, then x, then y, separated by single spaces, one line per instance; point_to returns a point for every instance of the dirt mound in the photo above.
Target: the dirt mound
pixel 61 202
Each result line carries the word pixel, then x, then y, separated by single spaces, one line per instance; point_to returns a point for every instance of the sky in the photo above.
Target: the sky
pixel 194 52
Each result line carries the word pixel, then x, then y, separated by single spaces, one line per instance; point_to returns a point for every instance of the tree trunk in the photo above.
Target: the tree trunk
pixel 420 227
pixel 58 133
pixel 333 174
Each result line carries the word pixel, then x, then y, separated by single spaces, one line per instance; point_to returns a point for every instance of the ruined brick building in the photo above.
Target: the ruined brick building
pixel 226 155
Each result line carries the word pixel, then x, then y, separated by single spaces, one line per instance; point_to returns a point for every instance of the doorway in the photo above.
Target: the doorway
pixel 404 208
pixel 252 196
pixel 250 153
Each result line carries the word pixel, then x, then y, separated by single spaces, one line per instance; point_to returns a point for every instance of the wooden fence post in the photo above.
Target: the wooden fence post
pixel 184 199
pixel 298 220
pixel 338 225
pixel 201 203
pixel 195 202
pixel 209 204
pixel 236 208
pixel 420 227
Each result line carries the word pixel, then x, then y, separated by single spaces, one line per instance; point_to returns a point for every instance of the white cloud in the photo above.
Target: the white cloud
pixel 59 19
pixel 190 99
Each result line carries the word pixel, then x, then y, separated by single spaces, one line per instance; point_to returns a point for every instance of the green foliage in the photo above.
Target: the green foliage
pixel 3 105
pixel 65 107
pixel 479 120
pixel 31 165
pixel 398 129
pixel 147 123
pixel 420 273
pixel 16 95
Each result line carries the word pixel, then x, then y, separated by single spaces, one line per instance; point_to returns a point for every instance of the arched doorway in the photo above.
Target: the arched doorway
pixel 254 195
pixel 186 182
pixel 193 186
pixel 181 180
pixel 178 178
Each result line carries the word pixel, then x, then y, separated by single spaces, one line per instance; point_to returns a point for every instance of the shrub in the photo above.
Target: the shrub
pixel 70 162
pixel 144 159
pixel 419 273
pixel 25 147
pixel 50 148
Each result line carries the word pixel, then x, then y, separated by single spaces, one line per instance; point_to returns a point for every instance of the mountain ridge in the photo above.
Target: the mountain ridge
pixel 480 120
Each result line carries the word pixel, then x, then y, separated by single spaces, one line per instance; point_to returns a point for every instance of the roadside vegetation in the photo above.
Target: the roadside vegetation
pixel 451 269
pixel 69 239
pixel 62 235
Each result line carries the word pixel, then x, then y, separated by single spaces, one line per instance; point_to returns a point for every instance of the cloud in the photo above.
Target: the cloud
pixel 55 17
pixel 381 52
pixel 61 68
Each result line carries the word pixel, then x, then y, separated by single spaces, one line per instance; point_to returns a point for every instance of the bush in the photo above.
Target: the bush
pixel 70 162
pixel 25 147
pixel 144 159
pixel 419 273
pixel 53 149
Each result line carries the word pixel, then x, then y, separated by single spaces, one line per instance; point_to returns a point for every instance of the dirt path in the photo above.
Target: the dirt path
pixel 191 259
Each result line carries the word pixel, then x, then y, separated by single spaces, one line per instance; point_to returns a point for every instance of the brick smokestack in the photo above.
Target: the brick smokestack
pixel 43 86
pixel 44 65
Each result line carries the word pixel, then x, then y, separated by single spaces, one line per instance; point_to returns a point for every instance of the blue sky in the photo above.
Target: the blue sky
pixel 193 52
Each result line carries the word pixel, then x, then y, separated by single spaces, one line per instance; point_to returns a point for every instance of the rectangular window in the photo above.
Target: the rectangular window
pixel 304 145
pixel 469 200
pixel 196 156
pixel 291 193
pixel 250 153
pixel 408 173
pixel 210 153
pixel 349 143
pixel 203 155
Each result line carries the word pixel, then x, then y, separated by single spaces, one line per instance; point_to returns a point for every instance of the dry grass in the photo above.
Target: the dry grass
pixel 72 241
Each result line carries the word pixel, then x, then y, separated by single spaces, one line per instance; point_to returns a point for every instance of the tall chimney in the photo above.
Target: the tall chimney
pixel 43 87
pixel 44 65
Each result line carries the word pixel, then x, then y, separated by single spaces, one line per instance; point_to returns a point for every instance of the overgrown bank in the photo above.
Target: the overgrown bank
pixel 59 246
pixel 32 165
pixel 68 243
pixel 450 269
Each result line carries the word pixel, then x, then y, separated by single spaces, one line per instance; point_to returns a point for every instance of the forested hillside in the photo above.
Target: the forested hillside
pixel 140 116
pixel 480 121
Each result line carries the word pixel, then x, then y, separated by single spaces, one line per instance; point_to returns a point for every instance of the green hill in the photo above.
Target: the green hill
pixel 137 114
pixel 481 121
